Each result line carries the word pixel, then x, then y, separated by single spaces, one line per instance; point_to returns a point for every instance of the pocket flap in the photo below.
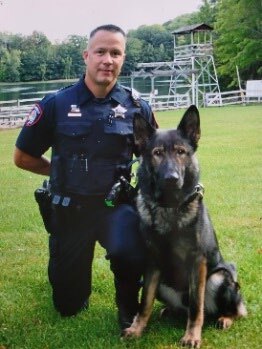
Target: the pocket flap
pixel 73 129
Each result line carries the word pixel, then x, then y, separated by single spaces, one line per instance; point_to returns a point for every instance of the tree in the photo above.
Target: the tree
pixel 155 39
pixel 207 13
pixel 36 49
pixel 133 54
pixel 42 70
pixel 71 52
pixel 239 27
pixel 182 21
pixel 149 53
pixel 67 61
pixel 9 65
pixel 237 41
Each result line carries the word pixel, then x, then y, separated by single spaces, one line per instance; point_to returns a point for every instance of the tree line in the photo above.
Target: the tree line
pixel 237 42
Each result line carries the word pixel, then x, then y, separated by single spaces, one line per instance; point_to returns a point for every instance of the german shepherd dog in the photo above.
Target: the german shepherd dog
pixel 185 268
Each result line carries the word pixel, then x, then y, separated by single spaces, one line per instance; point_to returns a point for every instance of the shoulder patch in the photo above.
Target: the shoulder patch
pixel 34 115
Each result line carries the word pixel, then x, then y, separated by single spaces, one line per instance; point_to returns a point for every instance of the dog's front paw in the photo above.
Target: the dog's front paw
pixel 190 341
pixel 224 322
pixel 131 332
pixel 136 329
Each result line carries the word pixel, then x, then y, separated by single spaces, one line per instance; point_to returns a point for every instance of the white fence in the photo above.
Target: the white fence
pixel 224 98
pixel 14 111
pixel 166 102
pixel 230 97
pixel 210 99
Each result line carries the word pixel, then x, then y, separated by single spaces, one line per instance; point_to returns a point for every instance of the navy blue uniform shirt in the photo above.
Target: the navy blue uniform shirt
pixel 89 137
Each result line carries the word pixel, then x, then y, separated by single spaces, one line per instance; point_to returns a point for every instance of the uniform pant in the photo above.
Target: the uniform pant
pixel 75 231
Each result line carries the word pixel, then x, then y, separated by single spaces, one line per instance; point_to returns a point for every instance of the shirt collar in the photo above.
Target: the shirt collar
pixel 84 94
pixel 117 93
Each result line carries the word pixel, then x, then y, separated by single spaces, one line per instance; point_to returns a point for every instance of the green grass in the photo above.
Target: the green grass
pixel 230 155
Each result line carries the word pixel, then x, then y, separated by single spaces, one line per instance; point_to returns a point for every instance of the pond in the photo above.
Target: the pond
pixel 24 90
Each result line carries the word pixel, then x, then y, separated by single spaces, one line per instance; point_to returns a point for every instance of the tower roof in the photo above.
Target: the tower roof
pixel 192 28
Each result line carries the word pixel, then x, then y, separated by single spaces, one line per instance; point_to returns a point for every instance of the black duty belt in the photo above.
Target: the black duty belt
pixel 74 200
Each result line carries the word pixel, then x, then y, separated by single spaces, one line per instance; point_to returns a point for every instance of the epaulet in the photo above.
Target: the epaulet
pixel 134 94
pixel 64 88
pixel 48 97
pixel 52 95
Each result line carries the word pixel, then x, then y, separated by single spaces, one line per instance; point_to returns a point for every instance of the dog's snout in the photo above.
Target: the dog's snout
pixel 172 177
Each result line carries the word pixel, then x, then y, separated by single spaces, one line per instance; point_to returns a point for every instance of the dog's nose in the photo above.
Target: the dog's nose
pixel 172 177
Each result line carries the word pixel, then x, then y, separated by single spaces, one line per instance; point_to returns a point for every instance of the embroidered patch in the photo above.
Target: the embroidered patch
pixel 75 111
pixel 34 115
pixel 119 111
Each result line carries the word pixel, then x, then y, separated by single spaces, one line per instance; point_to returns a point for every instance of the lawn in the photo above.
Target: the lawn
pixel 230 155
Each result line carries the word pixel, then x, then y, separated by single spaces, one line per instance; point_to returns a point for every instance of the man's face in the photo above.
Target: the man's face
pixel 104 58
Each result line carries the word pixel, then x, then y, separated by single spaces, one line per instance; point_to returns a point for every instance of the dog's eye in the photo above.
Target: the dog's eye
pixel 157 152
pixel 181 151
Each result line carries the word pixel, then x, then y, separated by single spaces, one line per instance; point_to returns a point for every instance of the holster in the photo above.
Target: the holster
pixel 44 200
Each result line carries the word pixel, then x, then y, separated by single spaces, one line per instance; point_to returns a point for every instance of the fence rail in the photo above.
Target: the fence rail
pixel 231 97
pixel 14 112
pixel 165 102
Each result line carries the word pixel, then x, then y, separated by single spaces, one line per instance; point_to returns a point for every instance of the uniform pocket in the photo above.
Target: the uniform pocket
pixel 73 129
pixel 72 137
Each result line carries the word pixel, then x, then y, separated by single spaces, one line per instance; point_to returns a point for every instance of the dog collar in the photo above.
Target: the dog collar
pixel 198 192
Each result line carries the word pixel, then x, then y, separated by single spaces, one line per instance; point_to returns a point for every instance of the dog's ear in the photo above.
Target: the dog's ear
pixel 142 131
pixel 189 126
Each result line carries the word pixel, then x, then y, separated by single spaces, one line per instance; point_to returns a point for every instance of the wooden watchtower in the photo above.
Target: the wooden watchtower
pixel 192 73
pixel 194 66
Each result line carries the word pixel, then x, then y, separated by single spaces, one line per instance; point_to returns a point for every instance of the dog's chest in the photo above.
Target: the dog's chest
pixel 164 220
pixel 168 230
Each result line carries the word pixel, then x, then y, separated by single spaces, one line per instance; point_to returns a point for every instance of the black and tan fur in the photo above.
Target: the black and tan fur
pixel 185 268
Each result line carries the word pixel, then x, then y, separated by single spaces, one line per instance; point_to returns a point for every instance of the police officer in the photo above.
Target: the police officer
pixel 89 127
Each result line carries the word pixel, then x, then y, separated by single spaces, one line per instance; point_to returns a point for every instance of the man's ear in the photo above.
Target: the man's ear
pixel 143 131
pixel 85 55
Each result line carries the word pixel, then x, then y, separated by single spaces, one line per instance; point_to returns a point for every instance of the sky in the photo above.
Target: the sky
pixel 59 18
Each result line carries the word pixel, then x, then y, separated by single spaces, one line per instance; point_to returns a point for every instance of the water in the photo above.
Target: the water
pixel 14 91
pixel 24 90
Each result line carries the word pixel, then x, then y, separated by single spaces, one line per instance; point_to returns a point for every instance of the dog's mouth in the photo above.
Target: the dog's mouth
pixel 168 196
pixel 168 191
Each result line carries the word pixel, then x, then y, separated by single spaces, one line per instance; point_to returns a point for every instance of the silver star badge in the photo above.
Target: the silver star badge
pixel 119 111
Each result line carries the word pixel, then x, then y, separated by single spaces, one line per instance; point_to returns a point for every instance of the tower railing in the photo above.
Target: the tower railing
pixel 192 50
